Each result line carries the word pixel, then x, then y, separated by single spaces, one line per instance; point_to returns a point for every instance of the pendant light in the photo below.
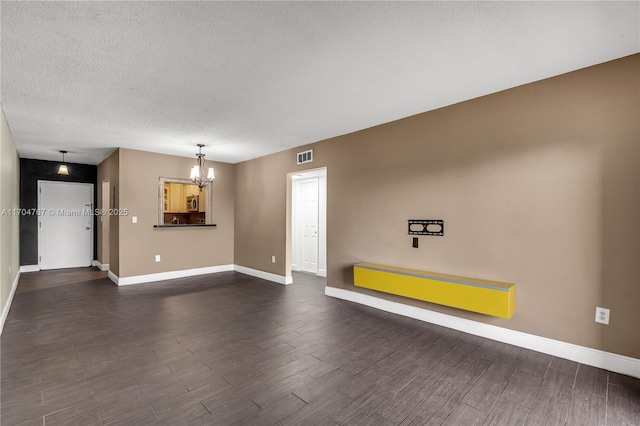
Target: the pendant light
pixel 63 169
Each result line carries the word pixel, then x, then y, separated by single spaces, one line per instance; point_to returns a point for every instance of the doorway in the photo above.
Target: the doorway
pixel 308 222
pixel 65 227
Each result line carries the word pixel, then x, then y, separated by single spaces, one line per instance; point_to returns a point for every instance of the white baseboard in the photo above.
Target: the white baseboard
pixel 280 279
pixel 161 276
pixel 36 268
pixel 113 277
pixel 584 355
pixel 7 305
pixel 101 266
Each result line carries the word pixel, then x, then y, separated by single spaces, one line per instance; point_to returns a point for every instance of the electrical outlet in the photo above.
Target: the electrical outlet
pixel 134 219
pixel 157 258
pixel 273 259
pixel 602 315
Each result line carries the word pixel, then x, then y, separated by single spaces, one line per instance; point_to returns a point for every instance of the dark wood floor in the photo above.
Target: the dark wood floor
pixel 232 349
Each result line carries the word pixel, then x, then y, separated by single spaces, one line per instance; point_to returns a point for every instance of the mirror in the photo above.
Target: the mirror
pixel 180 202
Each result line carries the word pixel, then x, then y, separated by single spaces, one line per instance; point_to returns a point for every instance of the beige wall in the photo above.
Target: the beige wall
pixel 9 200
pixel 537 185
pixel 180 249
pixel 109 171
pixel 260 212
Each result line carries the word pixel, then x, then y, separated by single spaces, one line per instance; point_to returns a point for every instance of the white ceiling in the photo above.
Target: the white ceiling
pixel 252 78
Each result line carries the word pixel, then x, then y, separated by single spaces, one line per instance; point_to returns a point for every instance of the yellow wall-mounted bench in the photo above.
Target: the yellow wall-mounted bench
pixel 486 297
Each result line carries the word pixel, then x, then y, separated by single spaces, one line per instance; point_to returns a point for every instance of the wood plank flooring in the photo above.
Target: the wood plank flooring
pixel 229 349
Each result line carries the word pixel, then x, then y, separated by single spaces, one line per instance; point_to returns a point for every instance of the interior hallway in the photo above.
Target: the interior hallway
pixel 232 349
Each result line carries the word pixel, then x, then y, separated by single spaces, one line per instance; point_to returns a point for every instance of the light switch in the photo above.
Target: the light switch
pixel 134 219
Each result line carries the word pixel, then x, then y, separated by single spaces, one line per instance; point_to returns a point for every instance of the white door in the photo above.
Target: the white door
pixel 65 229
pixel 309 205
pixel 105 221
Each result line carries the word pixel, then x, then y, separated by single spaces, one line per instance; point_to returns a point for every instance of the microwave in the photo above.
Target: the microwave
pixel 192 203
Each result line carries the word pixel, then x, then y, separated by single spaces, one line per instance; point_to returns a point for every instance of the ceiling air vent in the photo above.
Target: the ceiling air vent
pixel 305 157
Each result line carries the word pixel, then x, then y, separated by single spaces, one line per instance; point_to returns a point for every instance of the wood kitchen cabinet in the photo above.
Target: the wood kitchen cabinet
pixel 190 190
pixel 177 202
pixel 202 202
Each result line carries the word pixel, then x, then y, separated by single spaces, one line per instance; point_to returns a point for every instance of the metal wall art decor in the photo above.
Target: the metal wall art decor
pixel 426 227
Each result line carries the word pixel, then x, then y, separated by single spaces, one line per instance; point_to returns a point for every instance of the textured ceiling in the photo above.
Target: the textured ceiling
pixel 252 78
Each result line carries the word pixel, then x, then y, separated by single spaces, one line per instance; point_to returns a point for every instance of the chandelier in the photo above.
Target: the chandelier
pixel 197 174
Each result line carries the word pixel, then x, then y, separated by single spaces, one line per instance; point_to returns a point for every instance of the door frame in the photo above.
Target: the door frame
pixel 93 224
pixel 293 262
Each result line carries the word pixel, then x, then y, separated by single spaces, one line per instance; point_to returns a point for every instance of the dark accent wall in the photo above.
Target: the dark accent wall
pixel 31 171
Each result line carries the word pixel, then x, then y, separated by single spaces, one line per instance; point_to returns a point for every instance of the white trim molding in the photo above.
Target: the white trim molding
pixel 101 266
pixel 161 276
pixel 584 355
pixel 30 268
pixel 280 279
pixel 169 275
pixel 7 305
pixel 113 277
pixel 322 273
